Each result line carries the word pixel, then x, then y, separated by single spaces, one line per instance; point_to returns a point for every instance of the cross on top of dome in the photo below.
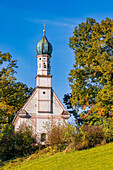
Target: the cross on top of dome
pixel 44 46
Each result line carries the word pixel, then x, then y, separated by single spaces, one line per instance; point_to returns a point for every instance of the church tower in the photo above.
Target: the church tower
pixel 43 78
pixel 43 105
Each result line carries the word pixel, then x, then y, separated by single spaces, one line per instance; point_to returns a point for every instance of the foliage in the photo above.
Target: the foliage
pixel 106 123
pixel 89 136
pixel 59 134
pixel 91 78
pixel 7 142
pixel 71 110
pixel 24 141
pixel 5 115
pixel 107 126
pixel 94 158
pixel 13 94
pixel 16 144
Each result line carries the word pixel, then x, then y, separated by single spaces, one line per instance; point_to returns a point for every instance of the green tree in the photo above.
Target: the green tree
pixel 91 78
pixel 72 110
pixel 16 144
pixel 13 94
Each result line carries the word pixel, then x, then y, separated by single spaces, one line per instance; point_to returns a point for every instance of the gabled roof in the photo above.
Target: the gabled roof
pixel 22 112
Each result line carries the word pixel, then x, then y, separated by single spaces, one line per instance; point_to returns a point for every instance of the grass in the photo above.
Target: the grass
pixel 98 158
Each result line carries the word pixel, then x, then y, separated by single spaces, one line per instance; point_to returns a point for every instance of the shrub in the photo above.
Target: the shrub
pixel 7 142
pixel 108 128
pixel 16 144
pixel 89 136
pixel 59 134
pixel 24 140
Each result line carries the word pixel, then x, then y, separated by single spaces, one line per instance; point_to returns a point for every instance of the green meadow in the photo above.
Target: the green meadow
pixel 100 157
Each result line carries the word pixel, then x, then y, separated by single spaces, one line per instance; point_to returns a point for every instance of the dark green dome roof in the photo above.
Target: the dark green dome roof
pixel 44 46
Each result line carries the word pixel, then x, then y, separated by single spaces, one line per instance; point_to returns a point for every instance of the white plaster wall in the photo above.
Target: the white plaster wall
pixel 57 109
pixel 24 121
pixel 46 96
pixel 32 105
pixel 44 106
pixel 37 123
pixel 44 100
pixel 28 122
pixel 40 125
pixel 17 124
pixel 45 81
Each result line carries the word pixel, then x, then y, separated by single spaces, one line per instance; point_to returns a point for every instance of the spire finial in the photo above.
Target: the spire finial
pixel 44 29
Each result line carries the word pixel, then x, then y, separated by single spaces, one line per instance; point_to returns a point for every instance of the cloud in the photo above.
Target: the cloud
pixel 63 22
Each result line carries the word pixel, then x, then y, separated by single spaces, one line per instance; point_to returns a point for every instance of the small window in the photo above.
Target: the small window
pixel 43 137
pixel 44 92
pixel 39 65
pixel 39 58
pixel 48 66
pixel 44 65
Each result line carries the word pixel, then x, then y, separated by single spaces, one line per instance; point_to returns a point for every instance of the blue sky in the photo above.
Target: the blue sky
pixel 21 28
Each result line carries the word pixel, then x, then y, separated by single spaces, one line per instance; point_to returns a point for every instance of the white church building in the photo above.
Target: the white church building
pixel 43 105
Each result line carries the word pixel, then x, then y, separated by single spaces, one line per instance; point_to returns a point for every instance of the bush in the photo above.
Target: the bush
pixel 24 141
pixel 17 144
pixel 108 128
pixel 89 136
pixel 7 142
pixel 59 134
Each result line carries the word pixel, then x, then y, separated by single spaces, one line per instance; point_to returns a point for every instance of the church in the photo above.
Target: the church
pixel 43 105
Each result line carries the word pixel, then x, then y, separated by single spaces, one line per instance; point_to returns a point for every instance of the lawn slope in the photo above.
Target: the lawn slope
pixel 97 158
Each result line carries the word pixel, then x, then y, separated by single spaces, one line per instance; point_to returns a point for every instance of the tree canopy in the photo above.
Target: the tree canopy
pixel 13 94
pixel 91 78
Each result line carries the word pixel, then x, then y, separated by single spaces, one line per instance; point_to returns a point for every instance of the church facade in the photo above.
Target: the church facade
pixel 43 105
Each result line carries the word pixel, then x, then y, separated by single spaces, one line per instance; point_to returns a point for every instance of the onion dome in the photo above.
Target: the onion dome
pixel 44 46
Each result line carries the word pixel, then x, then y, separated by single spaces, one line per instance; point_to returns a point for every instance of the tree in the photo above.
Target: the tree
pixel 13 94
pixel 72 110
pixel 16 144
pixel 91 78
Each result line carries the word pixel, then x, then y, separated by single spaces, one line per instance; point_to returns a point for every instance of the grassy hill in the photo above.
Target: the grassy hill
pixel 97 158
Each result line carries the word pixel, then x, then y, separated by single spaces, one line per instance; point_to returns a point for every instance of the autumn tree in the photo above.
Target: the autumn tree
pixel 91 78
pixel 13 94
pixel 72 110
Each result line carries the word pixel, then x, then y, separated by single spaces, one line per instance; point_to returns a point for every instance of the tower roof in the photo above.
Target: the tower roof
pixel 44 46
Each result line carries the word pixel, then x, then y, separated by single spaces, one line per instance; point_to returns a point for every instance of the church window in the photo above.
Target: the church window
pixel 43 137
pixel 44 65
pixel 48 65
pixel 39 65
pixel 44 92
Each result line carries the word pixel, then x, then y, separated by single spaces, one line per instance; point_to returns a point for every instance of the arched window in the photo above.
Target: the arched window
pixel 48 65
pixel 39 65
pixel 44 65
pixel 43 137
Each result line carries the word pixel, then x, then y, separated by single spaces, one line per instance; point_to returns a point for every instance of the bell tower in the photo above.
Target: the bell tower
pixel 43 78
pixel 43 102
